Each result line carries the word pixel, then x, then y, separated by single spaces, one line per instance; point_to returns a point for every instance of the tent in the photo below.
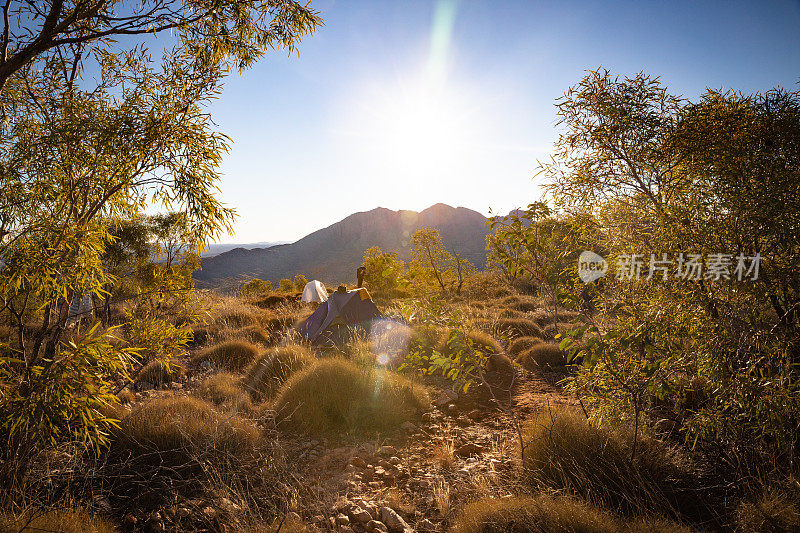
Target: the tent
pixel 343 308
pixel 314 291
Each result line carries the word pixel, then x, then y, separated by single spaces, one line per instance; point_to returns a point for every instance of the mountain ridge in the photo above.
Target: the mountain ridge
pixel 332 253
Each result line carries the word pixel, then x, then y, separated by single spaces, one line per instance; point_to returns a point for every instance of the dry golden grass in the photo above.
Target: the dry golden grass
pixel 520 344
pixel 337 396
pixel 126 396
pixel 775 510
pixel 231 355
pixel 224 389
pixel 255 334
pixel 442 496
pixel 177 429
pixel 511 327
pixel 542 356
pixel 158 373
pixel 72 520
pixel 480 340
pixel 565 453
pixel 270 370
pixel 233 318
pixel 541 514
pixel 549 514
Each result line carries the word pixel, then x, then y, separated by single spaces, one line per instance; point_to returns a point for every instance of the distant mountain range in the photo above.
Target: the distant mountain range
pixel 216 249
pixel 332 254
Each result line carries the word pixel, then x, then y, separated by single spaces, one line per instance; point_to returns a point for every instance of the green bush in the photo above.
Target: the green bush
pixel 337 396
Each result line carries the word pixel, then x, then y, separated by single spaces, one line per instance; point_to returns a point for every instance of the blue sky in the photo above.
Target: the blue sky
pixel 402 104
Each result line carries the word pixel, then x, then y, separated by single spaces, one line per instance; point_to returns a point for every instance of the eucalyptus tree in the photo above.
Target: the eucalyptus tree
pixel 98 121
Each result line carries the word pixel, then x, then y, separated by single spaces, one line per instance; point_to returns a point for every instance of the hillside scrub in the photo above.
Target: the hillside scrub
pixel 337 396
pixel 775 509
pixel 564 452
pixel 271 369
pixel 229 355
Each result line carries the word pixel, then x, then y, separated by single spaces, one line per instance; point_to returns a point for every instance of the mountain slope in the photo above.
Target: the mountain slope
pixel 332 254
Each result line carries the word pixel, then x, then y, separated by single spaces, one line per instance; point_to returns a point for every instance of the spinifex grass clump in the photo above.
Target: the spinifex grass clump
pixel 225 390
pixel 70 520
pixel 270 370
pixel 520 344
pixel 158 373
pixel 565 453
pixel 542 356
pixel 550 514
pixel 337 396
pixel 231 355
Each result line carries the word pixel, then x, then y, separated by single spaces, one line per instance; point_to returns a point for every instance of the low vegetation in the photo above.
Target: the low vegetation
pixel 546 514
pixel 271 369
pixel 229 355
pixel 613 469
pixel 336 396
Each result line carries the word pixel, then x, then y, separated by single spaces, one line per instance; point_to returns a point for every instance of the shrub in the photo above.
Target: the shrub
pixel 335 395
pixel 224 389
pixel 61 520
pixel 255 287
pixel 300 282
pixel 565 452
pixel 542 514
pixel 286 285
pixel 543 355
pixel 230 355
pixel 159 373
pixel 270 370
pixel 520 344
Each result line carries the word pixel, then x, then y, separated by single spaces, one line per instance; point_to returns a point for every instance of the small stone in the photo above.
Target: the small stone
pixel 358 462
pixel 470 448
pixel 376 526
pixel 475 414
pixel 394 521
pixel 360 516
pixel 387 451
pixel 426 525
pixel 445 398
pixel 408 426
pixel 394 460
pixel 452 409
pixel 342 520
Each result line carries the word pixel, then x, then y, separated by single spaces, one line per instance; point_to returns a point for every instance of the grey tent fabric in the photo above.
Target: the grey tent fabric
pixel 314 291
pixel 341 309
